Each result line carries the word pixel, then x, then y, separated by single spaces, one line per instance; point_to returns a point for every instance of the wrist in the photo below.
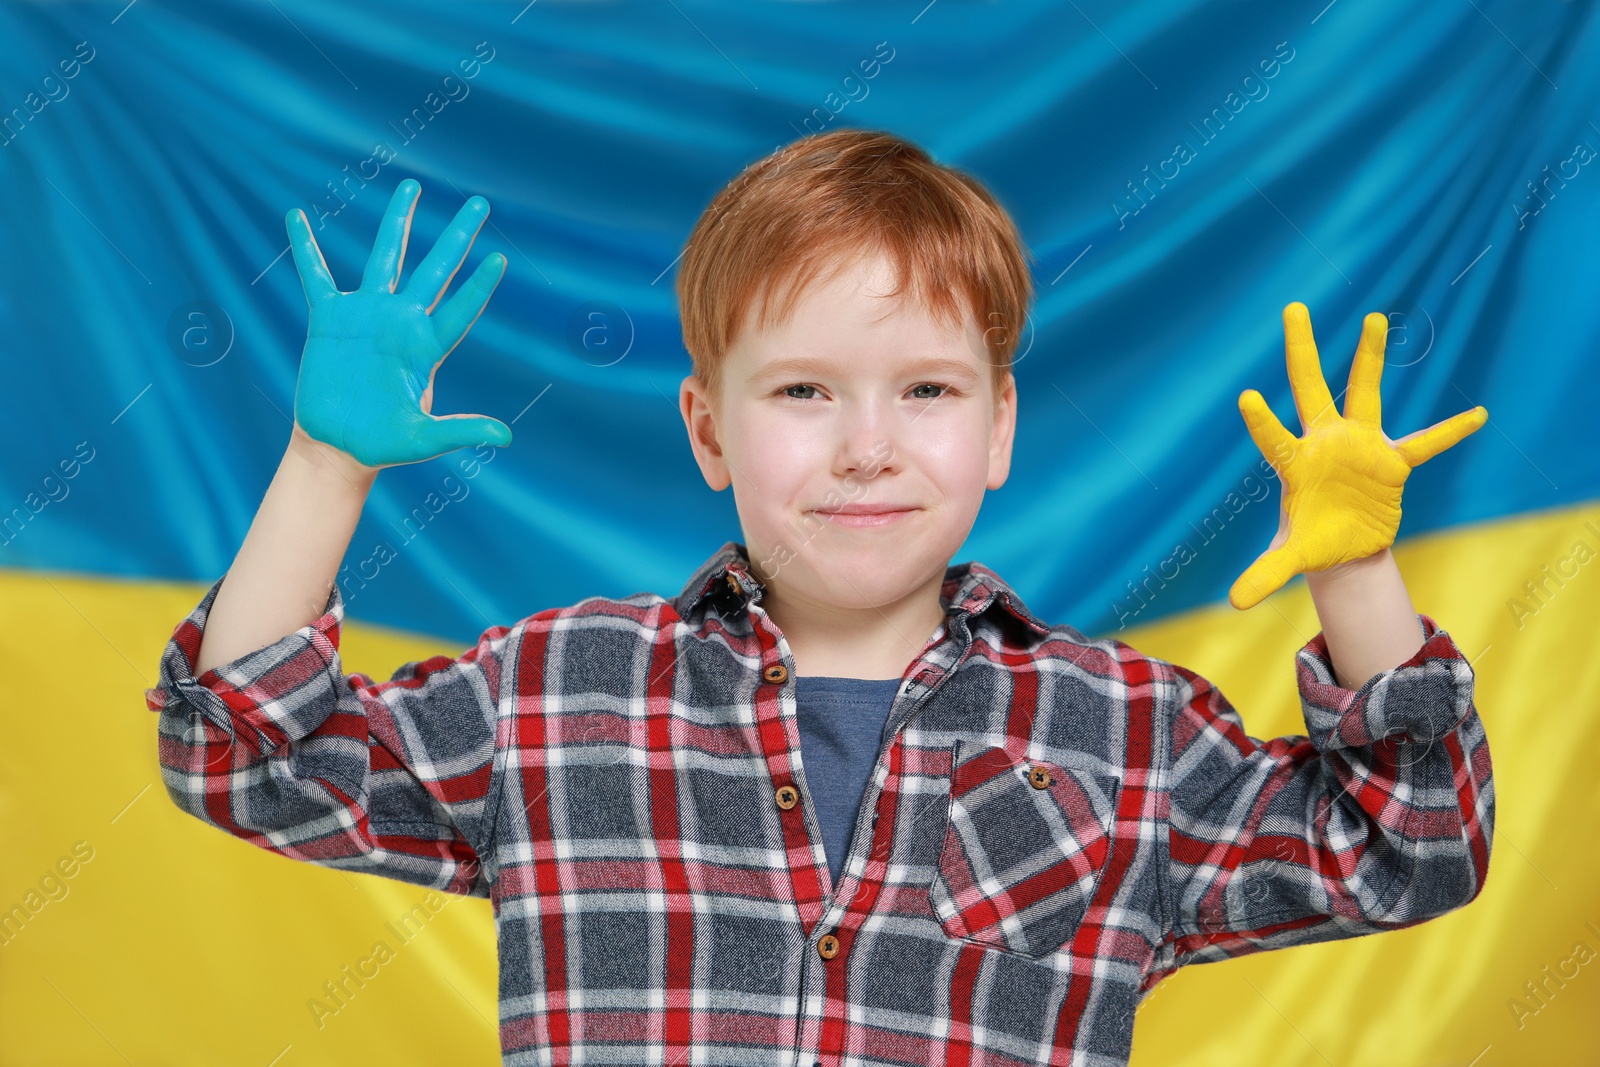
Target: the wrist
pixel 329 461
pixel 1350 568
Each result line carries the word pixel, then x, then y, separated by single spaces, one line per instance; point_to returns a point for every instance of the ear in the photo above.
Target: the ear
pixel 1005 427
pixel 699 418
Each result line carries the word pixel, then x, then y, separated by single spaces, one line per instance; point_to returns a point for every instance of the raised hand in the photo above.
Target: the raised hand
pixel 1342 477
pixel 366 374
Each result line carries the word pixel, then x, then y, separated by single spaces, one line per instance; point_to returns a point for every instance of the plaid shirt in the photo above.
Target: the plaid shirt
pixel 1053 825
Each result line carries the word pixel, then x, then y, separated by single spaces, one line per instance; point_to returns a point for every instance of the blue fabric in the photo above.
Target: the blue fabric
pixel 841 730
pixel 1416 159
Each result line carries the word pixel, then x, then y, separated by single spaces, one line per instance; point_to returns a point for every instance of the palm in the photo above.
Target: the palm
pixel 366 374
pixel 1342 477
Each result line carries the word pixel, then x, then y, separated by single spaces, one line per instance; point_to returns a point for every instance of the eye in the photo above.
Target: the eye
pixel 789 391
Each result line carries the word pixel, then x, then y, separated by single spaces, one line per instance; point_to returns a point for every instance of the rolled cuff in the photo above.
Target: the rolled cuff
pixel 280 693
pixel 1422 699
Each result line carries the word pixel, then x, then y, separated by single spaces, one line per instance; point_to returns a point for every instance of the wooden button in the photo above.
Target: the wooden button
pixel 776 673
pixel 1039 778
pixel 733 583
pixel 828 947
pixel 787 797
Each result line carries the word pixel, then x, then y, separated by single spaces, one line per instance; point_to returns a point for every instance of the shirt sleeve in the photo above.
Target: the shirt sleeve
pixel 1381 818
pixel 283 749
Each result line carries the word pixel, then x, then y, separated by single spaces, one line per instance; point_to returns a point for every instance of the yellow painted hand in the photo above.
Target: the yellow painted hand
pixel 1342 477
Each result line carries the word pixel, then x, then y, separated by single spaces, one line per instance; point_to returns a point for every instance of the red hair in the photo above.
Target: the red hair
pixel 813 204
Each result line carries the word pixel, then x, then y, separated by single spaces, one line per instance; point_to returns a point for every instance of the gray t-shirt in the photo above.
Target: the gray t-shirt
pixel 841 728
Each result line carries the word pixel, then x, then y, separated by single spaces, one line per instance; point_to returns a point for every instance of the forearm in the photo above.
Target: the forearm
pixel 1367 617
pixel 284 571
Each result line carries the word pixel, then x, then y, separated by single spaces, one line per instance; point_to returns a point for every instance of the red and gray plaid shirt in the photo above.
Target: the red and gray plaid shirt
pixel 1054 823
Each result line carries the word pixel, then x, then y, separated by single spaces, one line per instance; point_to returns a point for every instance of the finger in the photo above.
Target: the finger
pixel 389 249
pixel 446 433
pixel 453 321
pixel 1312 400
pixel 1423 445
pixel 432 276
pixel 1362 401
pixel 315 278
pixel 1263 578
pixel 1276 442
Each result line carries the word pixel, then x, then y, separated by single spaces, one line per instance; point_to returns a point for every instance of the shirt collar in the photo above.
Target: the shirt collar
pixel 726 581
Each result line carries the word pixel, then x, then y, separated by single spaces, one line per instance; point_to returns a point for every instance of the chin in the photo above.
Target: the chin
pixel 865 577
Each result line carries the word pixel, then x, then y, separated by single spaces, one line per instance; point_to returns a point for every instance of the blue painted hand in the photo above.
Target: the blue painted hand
pixel 366 374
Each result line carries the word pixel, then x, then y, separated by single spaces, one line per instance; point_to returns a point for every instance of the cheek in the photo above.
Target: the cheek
pixel 775 456
pixel 955 454
pixel 968 473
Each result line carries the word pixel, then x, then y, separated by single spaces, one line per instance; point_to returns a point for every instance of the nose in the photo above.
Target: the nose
pixel 866 437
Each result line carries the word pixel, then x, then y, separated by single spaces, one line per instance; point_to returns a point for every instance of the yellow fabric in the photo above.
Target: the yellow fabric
pixel 1342 477
pixel 1439 993
pixel 175 944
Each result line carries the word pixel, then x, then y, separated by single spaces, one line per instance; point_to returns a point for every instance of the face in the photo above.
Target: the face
pixel 859 437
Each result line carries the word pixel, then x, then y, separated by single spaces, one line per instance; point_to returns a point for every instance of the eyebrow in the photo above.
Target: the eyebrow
pixel 803 365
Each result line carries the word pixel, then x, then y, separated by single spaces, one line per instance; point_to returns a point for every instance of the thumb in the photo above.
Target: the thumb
pixel 446 433
pixel 1264 577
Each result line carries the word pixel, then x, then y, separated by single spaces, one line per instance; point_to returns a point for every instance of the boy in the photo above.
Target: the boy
pixel 837 800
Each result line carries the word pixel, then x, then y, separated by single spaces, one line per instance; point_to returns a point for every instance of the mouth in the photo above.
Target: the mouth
pixel 866 516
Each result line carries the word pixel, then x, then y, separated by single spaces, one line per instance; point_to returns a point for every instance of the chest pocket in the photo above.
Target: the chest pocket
pixel 1025 845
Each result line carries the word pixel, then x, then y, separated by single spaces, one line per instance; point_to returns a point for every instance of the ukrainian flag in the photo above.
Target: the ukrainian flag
pixel 1181 169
